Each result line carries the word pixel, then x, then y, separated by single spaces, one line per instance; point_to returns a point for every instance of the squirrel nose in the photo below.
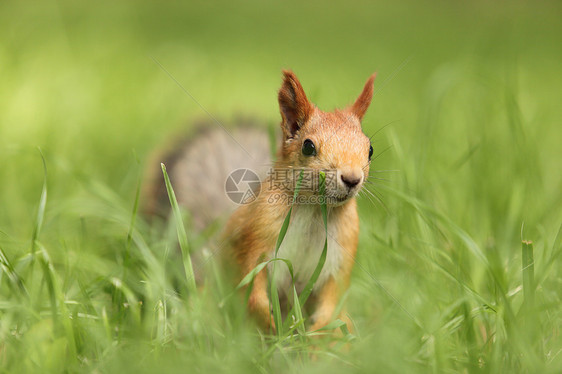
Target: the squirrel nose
pixel 351 180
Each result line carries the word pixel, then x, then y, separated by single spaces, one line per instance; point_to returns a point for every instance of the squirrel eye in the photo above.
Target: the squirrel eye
pixel 308 148
pixel 370 152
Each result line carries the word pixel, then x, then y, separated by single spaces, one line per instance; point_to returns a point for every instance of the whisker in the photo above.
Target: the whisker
pixel 376 178
pixel 374 184
pixel 386 149
pixel 377 156
pixel 382 128
pixel 364 194
pixel 377 198
pixel 384 171
pixel 366 166
pixel 374 200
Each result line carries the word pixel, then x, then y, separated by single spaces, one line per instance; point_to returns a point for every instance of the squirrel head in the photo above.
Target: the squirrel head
pixel 333 142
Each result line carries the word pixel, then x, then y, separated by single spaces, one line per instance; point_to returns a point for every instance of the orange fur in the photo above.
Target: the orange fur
pixel 253 229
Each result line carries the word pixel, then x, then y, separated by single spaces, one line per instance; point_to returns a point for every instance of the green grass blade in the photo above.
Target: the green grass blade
pixel 133 222
pixel 49 277
pixel 133 302
pixel 528 273
pixel 276 306
pixel 41 209
pixel 249 278
pixel 299 320
pixel 252 274
pixel 307 290
pixel 59 311
pixel 338 323
pixel 426 211
pixel 182 236
pixel 15 282
pixel 287 220
pixel 322 260
pixel 274 293
pixel 127 254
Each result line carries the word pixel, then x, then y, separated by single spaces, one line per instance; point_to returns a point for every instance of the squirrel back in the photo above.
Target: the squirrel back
pixel 198 166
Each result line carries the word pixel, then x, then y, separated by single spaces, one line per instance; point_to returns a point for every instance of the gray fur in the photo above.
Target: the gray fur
pixel 199 166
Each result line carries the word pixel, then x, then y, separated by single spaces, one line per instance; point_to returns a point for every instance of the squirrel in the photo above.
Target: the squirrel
pixel 311 141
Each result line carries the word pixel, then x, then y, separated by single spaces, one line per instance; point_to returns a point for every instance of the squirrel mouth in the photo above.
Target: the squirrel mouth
pixel 339 199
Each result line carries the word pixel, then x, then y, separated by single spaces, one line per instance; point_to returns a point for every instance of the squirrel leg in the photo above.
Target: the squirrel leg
pixel 334 288
pixel 258 303
pixel 327 300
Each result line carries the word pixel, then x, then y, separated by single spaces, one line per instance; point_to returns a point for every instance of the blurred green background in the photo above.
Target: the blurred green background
pixel 467 98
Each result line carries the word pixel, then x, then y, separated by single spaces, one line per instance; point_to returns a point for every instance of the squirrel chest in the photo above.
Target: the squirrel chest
pixel 303 245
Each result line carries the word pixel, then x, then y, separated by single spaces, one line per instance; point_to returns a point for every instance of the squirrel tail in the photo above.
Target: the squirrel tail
pixel 199 166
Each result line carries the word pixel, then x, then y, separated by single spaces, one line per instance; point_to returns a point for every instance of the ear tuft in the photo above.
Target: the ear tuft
pixel 293 104
pixel 359 108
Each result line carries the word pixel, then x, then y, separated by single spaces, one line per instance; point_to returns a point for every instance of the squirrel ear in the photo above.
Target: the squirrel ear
pixel 359 108
pixel 293 104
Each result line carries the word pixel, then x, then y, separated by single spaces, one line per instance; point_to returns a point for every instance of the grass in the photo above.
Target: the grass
pixel 457 272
